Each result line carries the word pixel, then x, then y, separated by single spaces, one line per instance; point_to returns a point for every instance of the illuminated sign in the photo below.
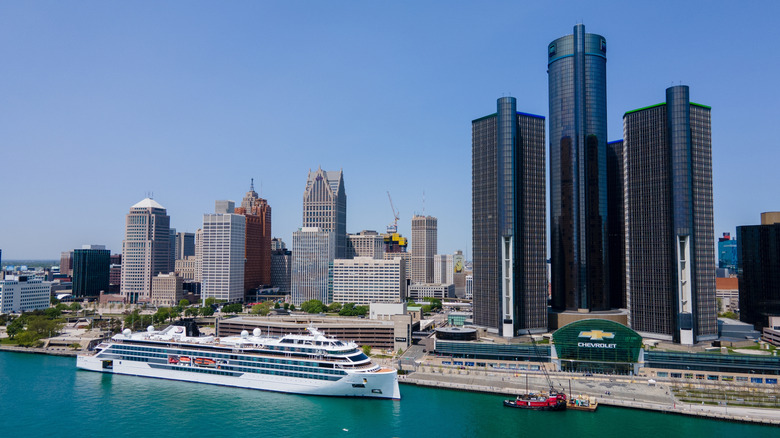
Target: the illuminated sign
pixel 596 335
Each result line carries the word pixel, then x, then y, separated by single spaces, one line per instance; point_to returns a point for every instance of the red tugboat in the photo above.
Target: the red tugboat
pixel 554 401
pixel 539 402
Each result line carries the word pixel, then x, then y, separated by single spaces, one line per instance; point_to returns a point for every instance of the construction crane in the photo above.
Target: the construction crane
pixel 391 229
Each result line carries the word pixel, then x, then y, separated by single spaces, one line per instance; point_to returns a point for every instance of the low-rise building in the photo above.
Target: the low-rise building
pixel 432 290
pixel 727 294
pixel 167 289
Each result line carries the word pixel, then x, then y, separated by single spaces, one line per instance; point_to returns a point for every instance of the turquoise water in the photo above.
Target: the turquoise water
pixel 47 396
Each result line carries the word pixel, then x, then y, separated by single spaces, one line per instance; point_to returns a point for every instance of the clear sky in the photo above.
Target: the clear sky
pixel 102 102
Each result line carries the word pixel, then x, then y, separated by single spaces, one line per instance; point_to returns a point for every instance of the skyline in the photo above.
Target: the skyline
pixel 113 101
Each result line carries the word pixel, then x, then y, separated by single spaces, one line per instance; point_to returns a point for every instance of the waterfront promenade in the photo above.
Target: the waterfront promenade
pixel 628 393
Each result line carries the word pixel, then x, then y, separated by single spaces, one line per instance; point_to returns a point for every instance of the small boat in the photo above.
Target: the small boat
pixel 173 360
pixel 204 362
pixel 184 359
pixel 554 401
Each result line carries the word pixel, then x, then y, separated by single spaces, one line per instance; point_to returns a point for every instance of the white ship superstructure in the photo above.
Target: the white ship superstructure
pixel 301 364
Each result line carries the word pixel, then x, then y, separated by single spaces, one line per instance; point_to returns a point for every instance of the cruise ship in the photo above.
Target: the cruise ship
pixel 300 364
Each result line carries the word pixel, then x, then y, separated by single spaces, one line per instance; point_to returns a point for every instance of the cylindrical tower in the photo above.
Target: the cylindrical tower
pixel 577 66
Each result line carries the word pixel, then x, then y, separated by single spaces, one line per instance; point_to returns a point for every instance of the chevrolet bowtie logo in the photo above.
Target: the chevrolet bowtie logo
pixel 597 335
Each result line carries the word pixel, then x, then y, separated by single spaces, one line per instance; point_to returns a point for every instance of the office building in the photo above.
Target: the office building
pixel 508 221
pixel 365 280
pixel 424 247
pixel 577 73
pixel 758 247
pixel 617 225
pixel 167 289
pixel 277 243
pixel 727 253
pixel 727 294
pixel 406 258
pixel 66 263
pixel 187 268
pixel 469 287
pixel 185 245
pixel 257 246
pixel 670 260
pixel 325 206
pixel 313 252
pixel 222 269
pixel 224 207
pixel 281 265
pixel 171 249
pixel 199 255
pixel 145 249
pixel 444 268
pixel 420 291
pixel 91 271
pixel 366 243
pixel 20 293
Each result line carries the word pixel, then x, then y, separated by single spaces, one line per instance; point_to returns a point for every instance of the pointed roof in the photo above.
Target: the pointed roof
pixel 148 203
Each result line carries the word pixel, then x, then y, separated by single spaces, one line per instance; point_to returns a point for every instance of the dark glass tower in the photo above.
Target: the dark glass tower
pixel 617 232
pixel 758 249
pixel 669 233
pixel 577 72
pixel 90 272
pixel 508 220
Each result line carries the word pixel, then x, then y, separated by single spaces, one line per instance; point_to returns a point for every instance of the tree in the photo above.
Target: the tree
pixel 61 306
pixel 14 327
pixel 191 311
pixel 334 307
pixel 313 306
pixel 233 308
pixel 184 302
pixel 286 306
pixel 367 350
pixel 75 306
pixel 162 314
pixel 52 312
pixel 276 305
pixel 44 327
pixel 28 339
pixel 350 309
pixel 206 311
pixel 54 301
pixel 210 301
pixel 292 307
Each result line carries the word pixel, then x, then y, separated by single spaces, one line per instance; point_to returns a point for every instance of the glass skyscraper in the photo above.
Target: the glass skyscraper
pixel 508 221
pixel 758 247
pixel 577 73
pixel 670 256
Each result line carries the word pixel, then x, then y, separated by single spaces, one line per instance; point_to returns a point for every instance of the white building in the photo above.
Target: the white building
pixel 223 257
pixel 199 256
pixel 364 280
pixel 313 251
pixel 444 268
pixel 406 258
pixel 469 287
pixel 187 268
pixel 22 294
pixel 424 290
pixel 145 249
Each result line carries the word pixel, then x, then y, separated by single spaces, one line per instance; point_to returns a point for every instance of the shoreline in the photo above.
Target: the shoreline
pixel 500 387
pixel 37 350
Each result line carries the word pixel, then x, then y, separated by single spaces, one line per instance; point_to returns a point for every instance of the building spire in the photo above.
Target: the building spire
pixel 252 185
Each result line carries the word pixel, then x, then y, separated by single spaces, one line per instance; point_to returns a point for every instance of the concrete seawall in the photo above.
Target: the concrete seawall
pixel 626 395
pixel 49 351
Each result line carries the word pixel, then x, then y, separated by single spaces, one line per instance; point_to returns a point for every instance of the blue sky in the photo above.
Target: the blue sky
pixel 105 101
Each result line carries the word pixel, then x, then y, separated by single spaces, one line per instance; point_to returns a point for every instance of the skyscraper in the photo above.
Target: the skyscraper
pixel 223 257
pixel 91 268
pixel 185 245
pixel 325 206
pixel 257 271
pixel 759 270
pixel 144 249
pixel 424 247
pixel 670 285
pixel 577 66
pixel 281 264
pixel 313 251
pixel 508 221
pixel 617 229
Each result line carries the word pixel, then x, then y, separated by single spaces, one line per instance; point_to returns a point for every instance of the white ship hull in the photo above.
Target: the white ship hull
pixel 381 384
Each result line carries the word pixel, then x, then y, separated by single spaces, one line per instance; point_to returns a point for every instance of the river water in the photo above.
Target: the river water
pixel 47 396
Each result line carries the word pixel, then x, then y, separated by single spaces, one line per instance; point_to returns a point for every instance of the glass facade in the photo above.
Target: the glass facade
pixel 670 260
pixel 90 272
pixel 759 273
pixel 597 345
pixel 508 220
pixel 577 66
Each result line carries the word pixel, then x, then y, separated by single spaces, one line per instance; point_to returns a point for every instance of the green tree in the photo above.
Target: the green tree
pixel 61 306
pixel 206 311
pixel 52 312
pixel 75 307
pixel 233 308
pixel 162 314
pixel 367 350
pixel 54 301
pixel 28 339
pixel 191 311
pixel 313 306
pixel 257 308
pixel 44 327
pixel 14 327
pixel 210 301
pixel 184 302
pixel 276 305
pixel 175 313
pixel 334 307
pixel 286 306
pixel 292 307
